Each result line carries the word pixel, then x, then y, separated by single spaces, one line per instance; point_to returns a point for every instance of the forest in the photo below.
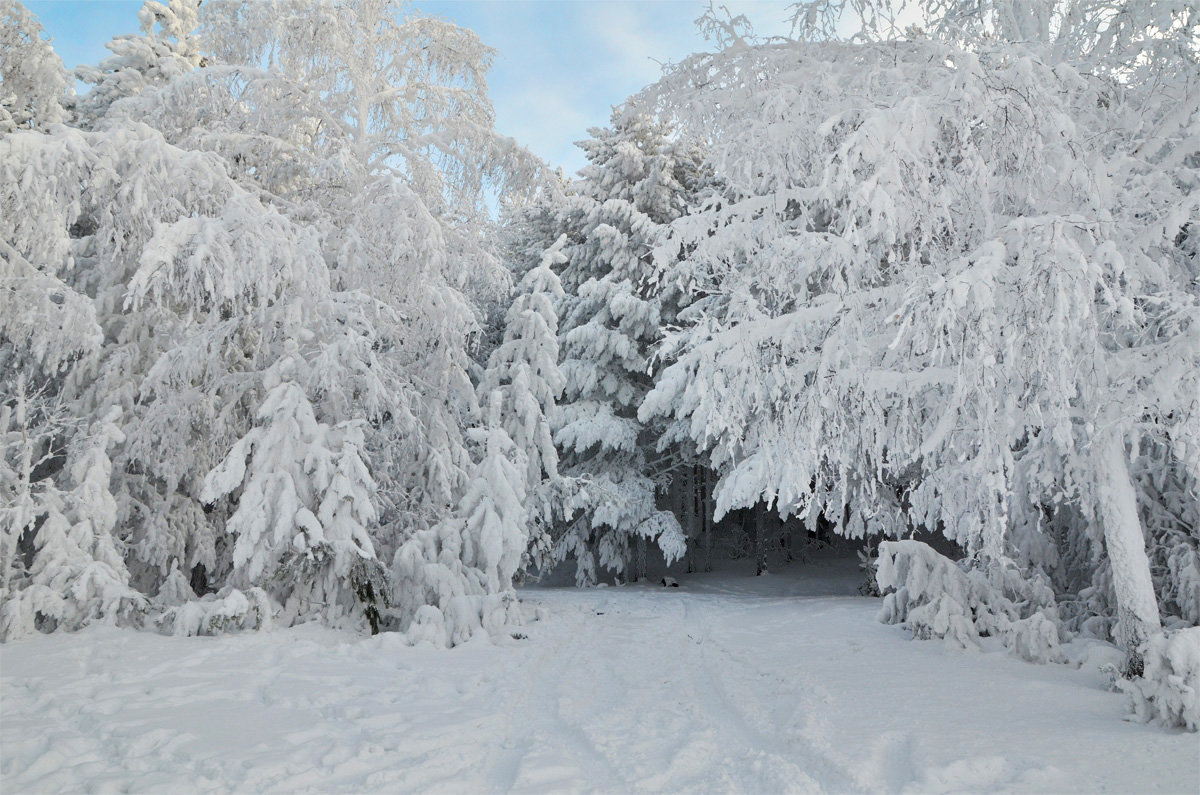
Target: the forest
pixel 291 334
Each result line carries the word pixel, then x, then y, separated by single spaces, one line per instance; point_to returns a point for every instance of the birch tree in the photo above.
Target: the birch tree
pixel 870 339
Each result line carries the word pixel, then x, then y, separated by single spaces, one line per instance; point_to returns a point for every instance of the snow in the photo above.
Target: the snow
pixel 778 683
pixel 1170 689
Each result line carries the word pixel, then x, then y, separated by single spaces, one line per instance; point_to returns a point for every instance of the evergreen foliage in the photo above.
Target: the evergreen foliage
pixel 266 357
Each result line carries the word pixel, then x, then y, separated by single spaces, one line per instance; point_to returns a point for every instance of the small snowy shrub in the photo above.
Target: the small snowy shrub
pixel 868 563
pixel 216 614
pixel 1169 689
pixel 1177 560
pixel 934 597
pixel 925 591
pixel 175 589
pixel 428 626
pixel 942 617
pixel 440 598
pixel 1035 639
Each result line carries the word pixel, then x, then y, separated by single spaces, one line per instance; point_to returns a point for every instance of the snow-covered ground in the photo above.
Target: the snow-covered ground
pixel 728 683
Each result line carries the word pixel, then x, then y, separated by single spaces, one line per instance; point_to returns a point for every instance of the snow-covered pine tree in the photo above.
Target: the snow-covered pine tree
pixel 45 324
pixel 30 426
pixel 362 226
pixel 456 578
pixel 372 124
pixel 60 566
pixel 523 369
pixel 493 508
pixel 365 240
pixel 197 285
pixel 309 340
pixel 1169 503
pixel 73 572
pixel 637 180
pixel 199 288
pixel 304 508
pixel 167 47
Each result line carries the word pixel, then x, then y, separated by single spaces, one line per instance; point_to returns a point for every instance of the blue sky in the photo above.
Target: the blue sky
pixel 560 66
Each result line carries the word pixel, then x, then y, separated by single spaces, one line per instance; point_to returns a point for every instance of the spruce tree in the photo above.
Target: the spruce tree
pixel 637 181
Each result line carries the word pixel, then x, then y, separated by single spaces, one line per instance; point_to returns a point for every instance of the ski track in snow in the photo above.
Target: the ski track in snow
pixel 731 683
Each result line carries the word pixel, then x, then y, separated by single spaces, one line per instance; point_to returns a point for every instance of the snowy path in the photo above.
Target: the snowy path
pixel 731 683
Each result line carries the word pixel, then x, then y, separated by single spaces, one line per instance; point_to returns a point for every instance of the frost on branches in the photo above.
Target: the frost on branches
pixel 168 47
pixel 276 281
pixel 1169 689
pixel 33 83
pixel 304 503
pixel 952 286
pixel 69 573
pixel 637 181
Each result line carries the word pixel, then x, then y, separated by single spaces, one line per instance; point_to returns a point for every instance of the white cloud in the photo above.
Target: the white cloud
pixel 637 41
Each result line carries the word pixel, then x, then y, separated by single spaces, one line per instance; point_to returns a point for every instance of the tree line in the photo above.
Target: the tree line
pixel 267 355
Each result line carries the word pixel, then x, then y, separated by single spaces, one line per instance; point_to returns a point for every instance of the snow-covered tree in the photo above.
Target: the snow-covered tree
pixel 638 180
pixel 523 374
pixel 524 367
pixel 373 125
pixel 46 323
pixel 493 507
pixel 29 424
pixel 1169 692
pixel 75 573
pixel 934 597
pixel 33 82
pixel 406 92
pixel 167 47
pixel 869 340
pixel 199 290
pixel 456 578
pixel 304 507
pixel 1169 503
pixel 214 224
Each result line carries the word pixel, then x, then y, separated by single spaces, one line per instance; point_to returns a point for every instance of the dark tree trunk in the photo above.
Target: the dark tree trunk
pixel 759 537
pixel 704 506
pixel 687 504
pixel 787 538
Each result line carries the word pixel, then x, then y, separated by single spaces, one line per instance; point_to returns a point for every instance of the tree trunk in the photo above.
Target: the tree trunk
pixel 687 504
pixel 705 515
pixel 1116 503
pixel 761 538
pixel 787 534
